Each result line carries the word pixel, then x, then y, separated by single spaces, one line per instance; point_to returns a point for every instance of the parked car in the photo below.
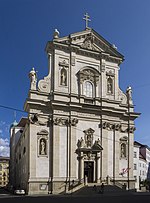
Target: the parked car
pixel 19 192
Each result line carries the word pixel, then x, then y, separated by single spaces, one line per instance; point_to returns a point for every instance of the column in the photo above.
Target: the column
pixel 98 167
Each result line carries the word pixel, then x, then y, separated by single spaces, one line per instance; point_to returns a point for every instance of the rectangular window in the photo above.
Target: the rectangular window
pixel 135 168
pixel 135 155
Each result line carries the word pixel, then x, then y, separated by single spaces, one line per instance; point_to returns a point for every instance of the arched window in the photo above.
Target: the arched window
pixel 88 89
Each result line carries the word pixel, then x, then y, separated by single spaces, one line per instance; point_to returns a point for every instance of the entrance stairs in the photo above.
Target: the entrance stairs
pixel 90 190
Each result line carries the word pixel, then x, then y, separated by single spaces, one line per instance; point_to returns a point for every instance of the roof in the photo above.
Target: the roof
pixel 3 158
pixel 141 156
pixel 22 122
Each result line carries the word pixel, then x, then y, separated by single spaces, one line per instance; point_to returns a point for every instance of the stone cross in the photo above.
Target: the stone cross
pixel 86 19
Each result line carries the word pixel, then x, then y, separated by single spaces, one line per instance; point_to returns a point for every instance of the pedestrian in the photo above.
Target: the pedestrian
pixel 94 188
pixel 102 188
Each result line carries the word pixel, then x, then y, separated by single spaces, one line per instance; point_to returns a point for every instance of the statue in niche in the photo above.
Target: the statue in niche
pixel 63 80
pixel 109 85
pixel 123 150
pixel 42 147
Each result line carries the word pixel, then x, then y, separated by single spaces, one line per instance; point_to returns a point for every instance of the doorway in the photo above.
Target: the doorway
pixel 89 170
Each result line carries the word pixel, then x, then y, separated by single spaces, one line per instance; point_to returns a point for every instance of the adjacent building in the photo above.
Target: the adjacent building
pixel 141 163
pixel 4 171
pixel 80 124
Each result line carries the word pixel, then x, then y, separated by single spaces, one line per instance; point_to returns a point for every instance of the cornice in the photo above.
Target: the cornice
pixel 83 51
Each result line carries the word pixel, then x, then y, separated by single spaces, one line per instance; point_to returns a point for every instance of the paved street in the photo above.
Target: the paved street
pixel 5 197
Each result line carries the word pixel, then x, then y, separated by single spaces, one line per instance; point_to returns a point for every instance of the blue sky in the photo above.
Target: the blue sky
pixel 26 26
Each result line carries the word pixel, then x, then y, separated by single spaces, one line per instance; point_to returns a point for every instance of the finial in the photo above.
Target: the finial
pixel 56 34
pixel 86 20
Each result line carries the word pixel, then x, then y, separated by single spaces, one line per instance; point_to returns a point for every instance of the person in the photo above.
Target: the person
pixel 95 188
pixel 102 188
pixel 124 186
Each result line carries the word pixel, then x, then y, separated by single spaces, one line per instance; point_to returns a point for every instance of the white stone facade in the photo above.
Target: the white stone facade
pixel 80 124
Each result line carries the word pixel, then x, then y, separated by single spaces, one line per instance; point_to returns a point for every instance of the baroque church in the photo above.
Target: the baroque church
pixel 80 125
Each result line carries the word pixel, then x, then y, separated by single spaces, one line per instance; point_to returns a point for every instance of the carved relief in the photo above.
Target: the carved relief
pixel 88 137
pixel 90 75
pixel 64 121
pixel 44 85
pixel 37 119
pixel 88 43
pixel 74 121
pixel 111 126
pixel 64 63
pixel 60 121
pixel 132 129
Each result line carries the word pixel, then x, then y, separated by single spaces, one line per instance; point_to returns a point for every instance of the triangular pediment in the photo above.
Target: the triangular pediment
pixel 89 39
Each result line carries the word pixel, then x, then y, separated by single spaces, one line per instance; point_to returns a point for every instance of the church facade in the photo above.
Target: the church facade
pixel 80 125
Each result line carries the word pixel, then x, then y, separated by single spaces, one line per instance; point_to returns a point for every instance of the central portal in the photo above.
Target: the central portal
pixel 89 170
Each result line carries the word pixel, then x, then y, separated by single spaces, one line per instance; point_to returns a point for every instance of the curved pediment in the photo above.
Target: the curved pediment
pixel 43 132
pixel 88 73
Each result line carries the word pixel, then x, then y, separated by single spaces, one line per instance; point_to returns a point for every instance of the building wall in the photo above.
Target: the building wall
pixel 4 171
pixel 63 113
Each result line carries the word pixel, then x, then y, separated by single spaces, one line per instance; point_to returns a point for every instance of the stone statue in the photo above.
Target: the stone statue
pixel 129 95
pixel 109 85
pixel 98 141
pixel 33 79
pixel 78 144
pixel 56 34
pixel 63 77
pixel 82 142
pixel 42 147
pixel 123 150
